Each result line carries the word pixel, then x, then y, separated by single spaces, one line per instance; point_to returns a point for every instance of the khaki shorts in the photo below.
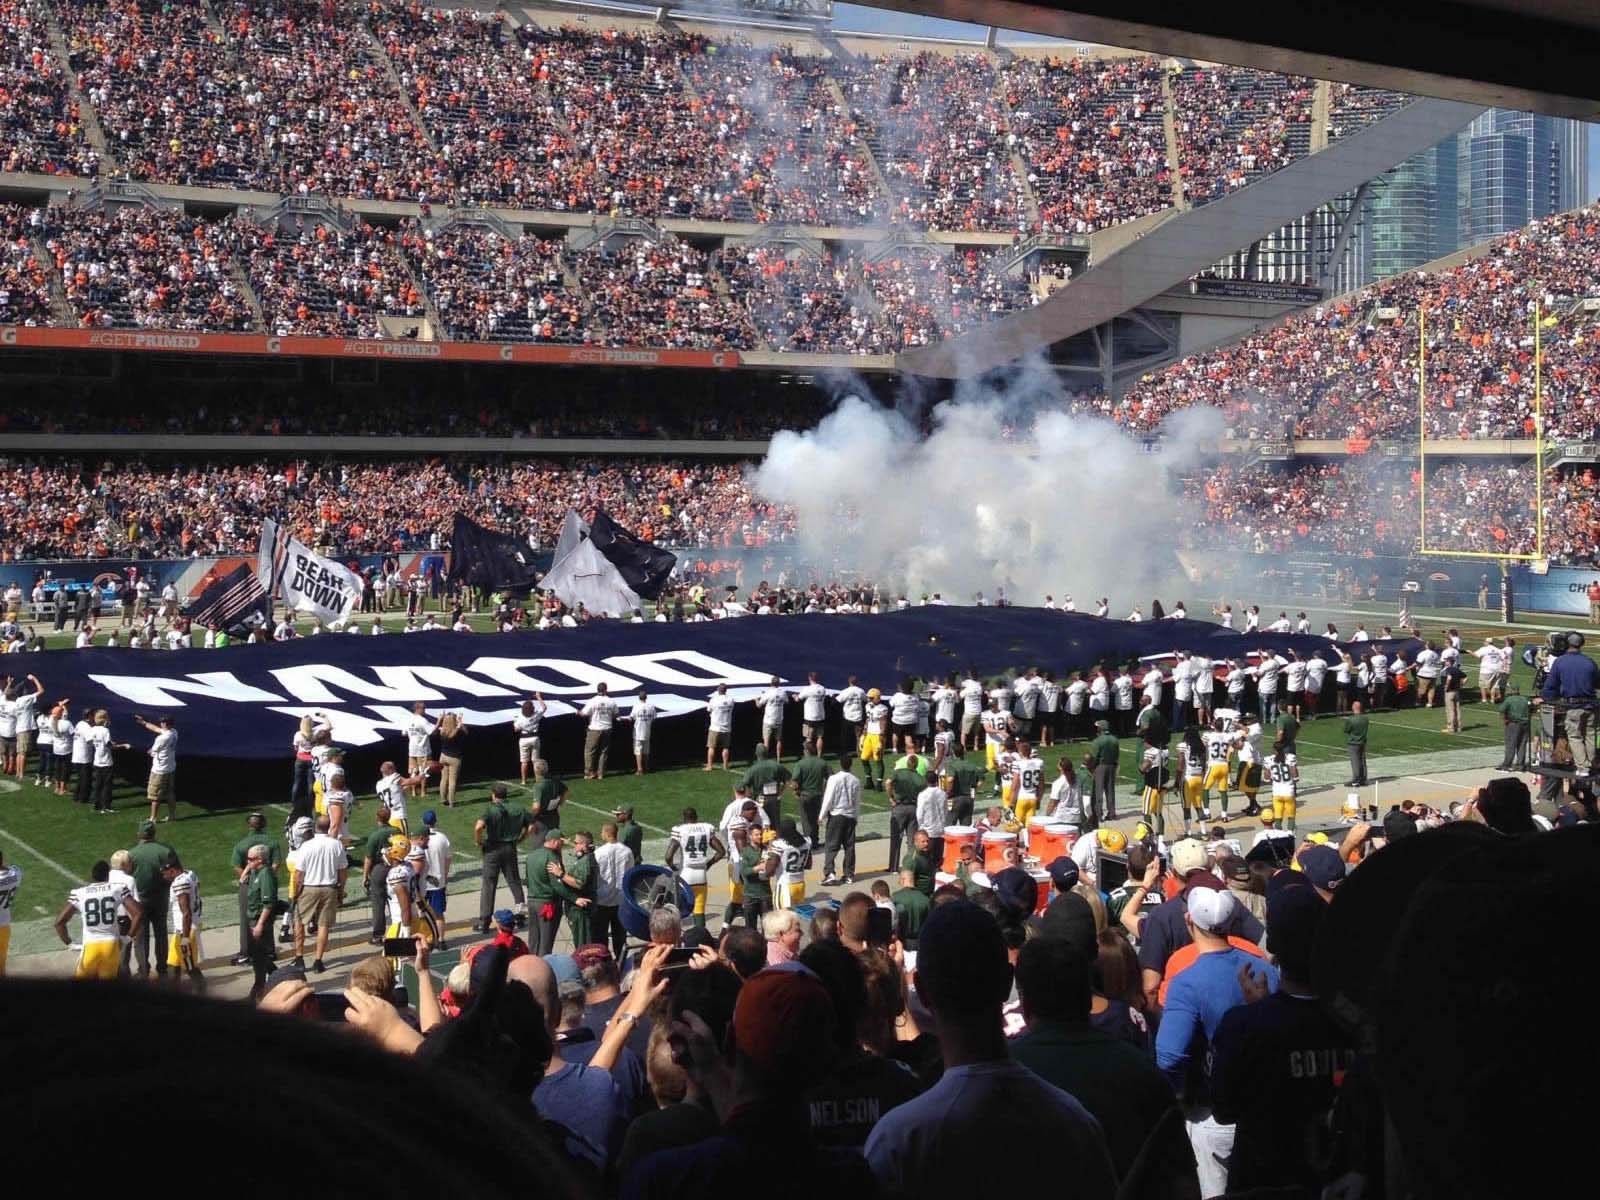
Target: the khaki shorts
pixel 717 739
pixel 24 741
pixel 528 750
pixel 811 729
pixel 319 904
pixel 161 787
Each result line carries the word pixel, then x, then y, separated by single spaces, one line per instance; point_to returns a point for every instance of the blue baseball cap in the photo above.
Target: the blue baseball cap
pixel 505 918
pixel 430 817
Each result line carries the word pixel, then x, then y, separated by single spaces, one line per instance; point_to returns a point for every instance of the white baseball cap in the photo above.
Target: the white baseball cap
pixel 1209 909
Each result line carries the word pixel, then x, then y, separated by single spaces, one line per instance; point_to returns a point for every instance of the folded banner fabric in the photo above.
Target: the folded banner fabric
pixel 234 600
pixel 486 558
pixel 244 702
pixel 643 564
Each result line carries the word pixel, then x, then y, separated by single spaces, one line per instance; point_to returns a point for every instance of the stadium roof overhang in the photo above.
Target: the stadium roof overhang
pixel 1529 55
pixel 1190 241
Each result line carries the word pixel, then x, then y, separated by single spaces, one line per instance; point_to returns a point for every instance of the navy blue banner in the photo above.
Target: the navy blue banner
pixel 244 702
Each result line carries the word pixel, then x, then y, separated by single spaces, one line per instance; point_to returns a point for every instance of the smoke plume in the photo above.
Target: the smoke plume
pixel 1007 490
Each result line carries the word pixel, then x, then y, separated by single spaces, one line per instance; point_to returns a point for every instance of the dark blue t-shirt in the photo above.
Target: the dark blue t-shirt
pixel 588 1102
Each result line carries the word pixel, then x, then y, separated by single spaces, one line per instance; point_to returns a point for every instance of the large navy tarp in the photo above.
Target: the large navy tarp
pixel 245 701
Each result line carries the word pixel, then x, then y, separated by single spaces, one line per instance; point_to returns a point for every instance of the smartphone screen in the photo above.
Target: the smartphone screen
pixel 331 1006
pixel 880 926
pixel 401 947
pixel 677 960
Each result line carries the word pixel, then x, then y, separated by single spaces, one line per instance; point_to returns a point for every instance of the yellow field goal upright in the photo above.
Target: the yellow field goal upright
pixel 1538 448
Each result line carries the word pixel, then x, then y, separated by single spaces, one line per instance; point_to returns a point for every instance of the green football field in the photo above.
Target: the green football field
pixel 56 841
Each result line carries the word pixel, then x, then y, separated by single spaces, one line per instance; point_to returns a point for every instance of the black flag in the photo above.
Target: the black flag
pixel 642 564
pixel 486 558
pixel 235 601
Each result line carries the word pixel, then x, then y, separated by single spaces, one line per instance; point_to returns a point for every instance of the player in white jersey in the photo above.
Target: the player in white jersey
pixel 391 789
pixel 1154 771
pixel 793 851
pixel 10 881
pixel 526 726
pixel 996 729
pixel 642 716
pixel 403 887
pixel 183 921
pixel 720 732
pixel 696 843
pixel 1192 754
pixel 1247 745
pixel 1218 743
pixel 96 904
pixel 1027 777
pixel 338 800
pixel 944 746
pixel 1285 775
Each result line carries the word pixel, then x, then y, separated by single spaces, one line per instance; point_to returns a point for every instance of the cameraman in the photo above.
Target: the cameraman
pixel 1570 685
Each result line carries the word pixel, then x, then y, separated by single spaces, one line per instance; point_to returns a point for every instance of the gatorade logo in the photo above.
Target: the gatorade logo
pixel 506 354
pixel 274 346
pixel 719 360
pixel 8 336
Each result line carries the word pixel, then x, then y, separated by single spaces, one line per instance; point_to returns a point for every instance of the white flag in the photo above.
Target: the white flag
pixel 312 584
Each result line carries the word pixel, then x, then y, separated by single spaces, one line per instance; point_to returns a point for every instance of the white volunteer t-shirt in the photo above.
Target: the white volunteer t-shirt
pixel 164 752
pixel 721 709
pixel 772 703
pixel 814 698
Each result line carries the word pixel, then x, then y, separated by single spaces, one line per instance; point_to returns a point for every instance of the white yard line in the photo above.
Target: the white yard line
pixel 39 854
pixel 1440 782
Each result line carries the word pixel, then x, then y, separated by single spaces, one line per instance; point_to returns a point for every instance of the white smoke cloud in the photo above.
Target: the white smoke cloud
pixel 1072 505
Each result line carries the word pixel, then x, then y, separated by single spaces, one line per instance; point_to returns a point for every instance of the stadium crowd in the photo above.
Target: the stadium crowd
pixel 1091 134
pixel 1362 506
pixel 451 106
pixel 1236 125
pixel 41 130
pixel 87 511
pixel 130 265
pixel 24 286
pixel 1348 369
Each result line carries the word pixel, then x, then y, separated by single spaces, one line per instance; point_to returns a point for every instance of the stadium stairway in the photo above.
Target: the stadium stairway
pixel 1169 129
pixel 836 94
pixel 380 56
pixel 241 280
pixel 86 113
pixel 61 310
pixel 1321 106
pixel 1174 250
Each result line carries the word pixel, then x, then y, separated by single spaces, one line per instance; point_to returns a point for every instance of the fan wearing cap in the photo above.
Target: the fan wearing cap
pixel 1196 1004
pixel 875 731
pixel 1166 930
pixel 925 1146
pixel 1276 1062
